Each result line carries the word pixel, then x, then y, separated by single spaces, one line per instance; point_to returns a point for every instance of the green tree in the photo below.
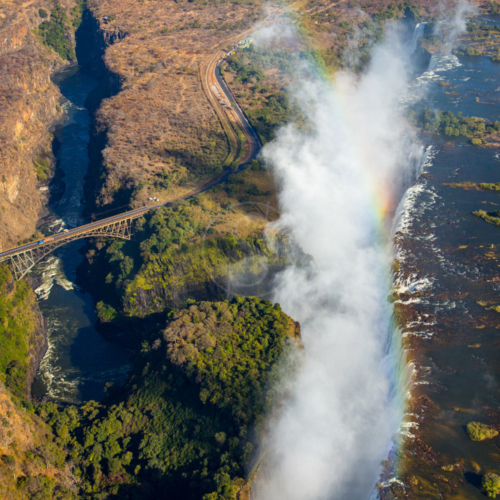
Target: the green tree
pixel 105 312
pixel 480 432
pixel 56 33
pixel 491 484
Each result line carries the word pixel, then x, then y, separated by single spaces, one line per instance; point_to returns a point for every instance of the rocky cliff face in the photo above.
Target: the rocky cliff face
pixel 37 344
pixel 29 104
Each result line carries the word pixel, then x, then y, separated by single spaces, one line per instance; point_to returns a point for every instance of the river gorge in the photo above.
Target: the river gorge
pixel 79 362
pixel 358 192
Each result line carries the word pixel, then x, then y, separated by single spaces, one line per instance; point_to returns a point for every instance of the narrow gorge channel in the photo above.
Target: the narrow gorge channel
pixel 79 361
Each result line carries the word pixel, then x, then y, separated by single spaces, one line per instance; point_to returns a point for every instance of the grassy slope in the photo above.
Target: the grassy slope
pixel 31 465
pixel 17 330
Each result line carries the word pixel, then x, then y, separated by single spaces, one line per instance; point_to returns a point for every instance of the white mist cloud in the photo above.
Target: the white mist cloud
pixel 272 34
pixel 464 9
pixel 452 26
pixel 336 178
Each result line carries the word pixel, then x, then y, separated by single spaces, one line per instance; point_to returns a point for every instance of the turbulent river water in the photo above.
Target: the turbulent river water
pixel 79 361
pixel 451 275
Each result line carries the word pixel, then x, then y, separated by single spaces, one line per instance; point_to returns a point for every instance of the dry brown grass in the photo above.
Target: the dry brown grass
pixel 161 124
pixel 24 438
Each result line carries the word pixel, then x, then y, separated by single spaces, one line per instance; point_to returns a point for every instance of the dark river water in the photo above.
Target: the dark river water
pixel 450 271
pixel 79 361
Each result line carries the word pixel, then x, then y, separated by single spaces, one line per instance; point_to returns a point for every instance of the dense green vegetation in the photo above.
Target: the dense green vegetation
pixel 271 109
pixel 480 432
pixel 77 14
pixel 469 50
pixel 266 120
pixel 42 168
pixel 16 328
pixel 481 28
pixel 168 228
pixel 180 252
pixel 490 186
pixel 56 32
pixel 394 11
pixel 445 122
pixel 489 217
pixel 482 39
pixel 186 422
pixel 197 271
pixel 491 484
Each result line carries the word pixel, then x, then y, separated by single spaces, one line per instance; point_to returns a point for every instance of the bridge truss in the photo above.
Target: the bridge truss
pixel 23 261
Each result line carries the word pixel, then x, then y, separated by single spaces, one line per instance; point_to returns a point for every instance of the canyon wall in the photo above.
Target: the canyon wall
pixel 29 104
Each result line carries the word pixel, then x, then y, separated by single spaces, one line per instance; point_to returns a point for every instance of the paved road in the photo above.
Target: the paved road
pixel 255 145
pixel 249 131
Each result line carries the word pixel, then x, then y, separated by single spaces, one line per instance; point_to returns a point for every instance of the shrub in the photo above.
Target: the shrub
pixel 42 168
pixel 15 376
pixel 42 13
pixel 105 312
pixel 489 217
pixel 491 484
pixel 55 33
pixel 480 432
pixel 490 186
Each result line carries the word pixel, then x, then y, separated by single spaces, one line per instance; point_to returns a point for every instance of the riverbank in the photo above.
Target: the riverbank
pixel 445 296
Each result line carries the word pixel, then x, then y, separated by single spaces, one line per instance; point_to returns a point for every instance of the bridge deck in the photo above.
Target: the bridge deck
pixel 70 235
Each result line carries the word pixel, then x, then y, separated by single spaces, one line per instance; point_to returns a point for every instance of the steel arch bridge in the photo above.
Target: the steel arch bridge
pixel 22 259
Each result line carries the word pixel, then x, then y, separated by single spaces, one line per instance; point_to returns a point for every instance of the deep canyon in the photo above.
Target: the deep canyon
pixel 313 321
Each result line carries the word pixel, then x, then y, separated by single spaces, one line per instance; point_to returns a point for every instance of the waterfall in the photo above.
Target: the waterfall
pixel 340 184
pixel 417 34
